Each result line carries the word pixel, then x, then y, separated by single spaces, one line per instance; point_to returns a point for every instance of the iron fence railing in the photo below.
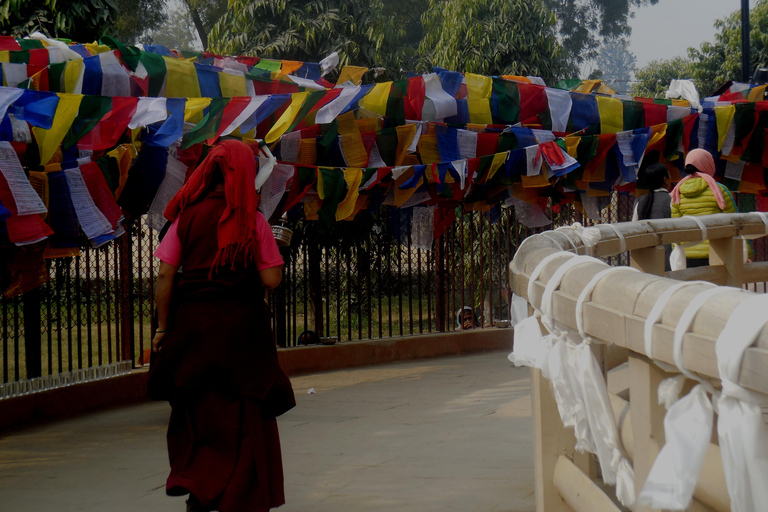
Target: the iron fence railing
pixel 364 279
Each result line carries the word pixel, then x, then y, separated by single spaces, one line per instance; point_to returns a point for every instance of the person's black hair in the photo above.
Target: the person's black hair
pixel 654 178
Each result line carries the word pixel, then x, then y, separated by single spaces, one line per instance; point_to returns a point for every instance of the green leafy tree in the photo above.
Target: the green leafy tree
pixel 79 20
pixel 137 19
pixel 652 80
pixel 616 64
pixel 302 30
pixel 177 32
pixel 491 37
pixel 583 25
pixel 205 14
pixel 718 62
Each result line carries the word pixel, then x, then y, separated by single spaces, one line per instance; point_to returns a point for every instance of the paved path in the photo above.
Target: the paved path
pixel 449 434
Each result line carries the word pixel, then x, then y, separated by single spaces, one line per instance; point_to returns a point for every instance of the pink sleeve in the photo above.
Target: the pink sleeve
pixel 169 250
pixel 269 254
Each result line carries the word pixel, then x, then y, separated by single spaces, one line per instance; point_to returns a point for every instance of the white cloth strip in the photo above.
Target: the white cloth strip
pixel 554 282
pixel 540 267
pixel 586 294
pixel 573 244
pixel 558 244
pixel 702 227
pixel 685 323
pixel 622 240
pixel 655 314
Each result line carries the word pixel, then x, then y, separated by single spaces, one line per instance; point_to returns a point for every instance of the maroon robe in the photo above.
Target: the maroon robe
pixel 218 368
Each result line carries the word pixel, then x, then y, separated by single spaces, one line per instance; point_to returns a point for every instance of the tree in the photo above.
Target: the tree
pixel 302 30
pixel 79 20
pixel 652 80
pixel 177 32
pixel 491 37
pixel 205 14
pixel 718 62
pixel 583 24
pixel 138 18
pixel 711 64
pixel 616 64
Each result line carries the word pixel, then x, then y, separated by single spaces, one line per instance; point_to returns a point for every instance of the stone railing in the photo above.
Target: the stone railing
pixel 613 316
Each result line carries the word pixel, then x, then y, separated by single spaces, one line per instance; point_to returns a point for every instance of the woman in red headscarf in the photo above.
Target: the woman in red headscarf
pixel 699 194
pixel 215 356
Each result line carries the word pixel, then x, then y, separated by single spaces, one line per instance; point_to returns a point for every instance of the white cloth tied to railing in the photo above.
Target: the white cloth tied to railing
pixel 687 424
pixel 578 383
pixel 742 432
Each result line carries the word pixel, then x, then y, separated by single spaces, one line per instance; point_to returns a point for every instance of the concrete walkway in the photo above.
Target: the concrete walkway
pixel 449 434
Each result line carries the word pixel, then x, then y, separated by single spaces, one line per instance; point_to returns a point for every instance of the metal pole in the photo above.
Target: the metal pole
pixel 745 58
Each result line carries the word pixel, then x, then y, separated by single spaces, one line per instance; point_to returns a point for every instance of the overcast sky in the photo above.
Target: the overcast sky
pixel 667 29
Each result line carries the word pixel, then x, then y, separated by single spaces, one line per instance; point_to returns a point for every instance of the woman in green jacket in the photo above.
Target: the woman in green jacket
pixel 699 194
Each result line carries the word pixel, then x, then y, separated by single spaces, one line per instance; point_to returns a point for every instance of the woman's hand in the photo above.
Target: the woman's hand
pixel 157 341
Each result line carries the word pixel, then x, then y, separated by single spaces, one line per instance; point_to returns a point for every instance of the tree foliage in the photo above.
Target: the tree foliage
pixel 79 20
pixel 584 24
pixel 137 19
pixel 711 64
pixel 718 62
pixel 616 64
pixel 303 30
pixel 491 37
pixel 652 80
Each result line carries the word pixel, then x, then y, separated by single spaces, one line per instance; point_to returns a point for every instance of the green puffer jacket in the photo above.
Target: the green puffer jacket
pixel 697 199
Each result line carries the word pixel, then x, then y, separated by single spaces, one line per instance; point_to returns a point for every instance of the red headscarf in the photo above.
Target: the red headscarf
pixel 237 225
pixel 701 160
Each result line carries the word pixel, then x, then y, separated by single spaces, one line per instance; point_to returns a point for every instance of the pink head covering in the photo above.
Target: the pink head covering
pixel 702 161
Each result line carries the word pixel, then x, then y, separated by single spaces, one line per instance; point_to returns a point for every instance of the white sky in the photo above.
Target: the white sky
pixel 667 29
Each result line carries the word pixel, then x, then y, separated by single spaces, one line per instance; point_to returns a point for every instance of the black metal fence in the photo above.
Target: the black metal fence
pixel 368 278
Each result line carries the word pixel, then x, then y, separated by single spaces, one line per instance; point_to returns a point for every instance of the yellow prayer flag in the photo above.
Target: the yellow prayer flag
pixel 5 56
pixel 405 135
pixel 376 99
pixel 181 79
pixel 285 121
pixel 480 111
pixel 353 177
pixel 289 66
pixel 307 152
pixel 572 145
pixel 232 85
pixel 499 159
pixel 587 86
pixel 401 196
pixel 517 78
pixel 73 76
pixel 724 116
pixel 611 112
pixel 540 180
pixel 193 110
pixel 681 103
pixel 604 89
pixel 66 112
pixel 757 93
pixel 347 124
pixel 428 149
pixel 479 87
pixel 352 74
pixel 354 150
pixel 95 48
pixel 320 188
pixel 311 208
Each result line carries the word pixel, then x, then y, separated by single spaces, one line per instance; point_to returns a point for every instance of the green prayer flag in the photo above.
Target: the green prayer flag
pixel 387 142
pixel 111 171
pixel 129 54
pixel 508 95
pixel 674 136
pixel 324 145
pixel 208 125
pixel 19 56
pixel 568 84
pixel 334 191
pixel 396 102
pixel 155 66
pixel 634 115
pixel 30 44
pixel 92 109
pixel 507 142
pixel 55 73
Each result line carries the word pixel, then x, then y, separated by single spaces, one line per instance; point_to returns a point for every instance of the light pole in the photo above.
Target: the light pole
pixel 745 60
